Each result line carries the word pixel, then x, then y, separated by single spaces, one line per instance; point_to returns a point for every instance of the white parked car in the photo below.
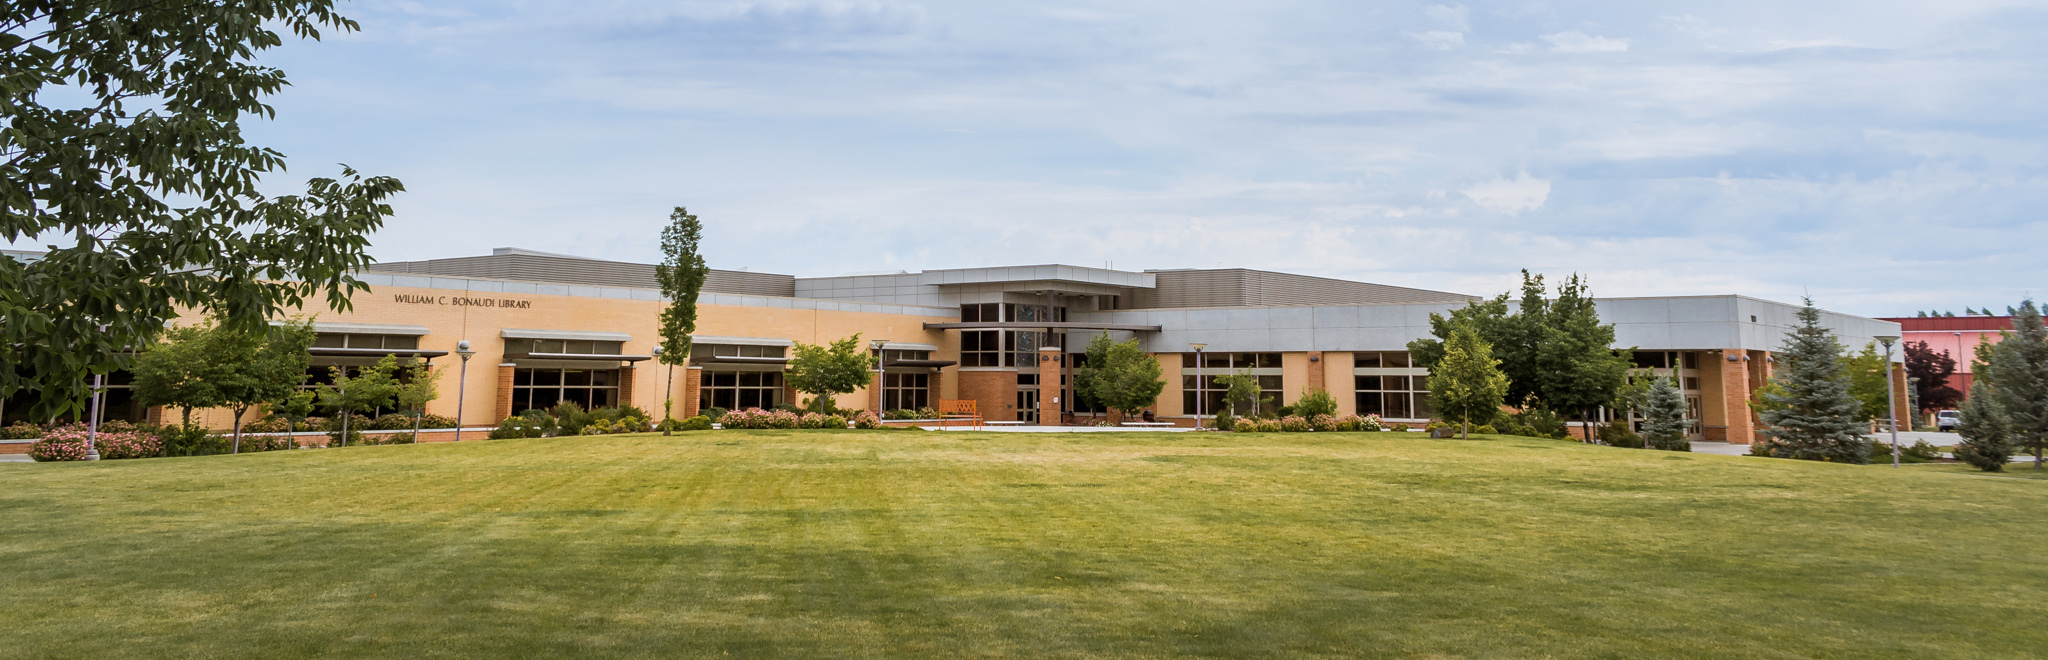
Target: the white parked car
pixel 1946 420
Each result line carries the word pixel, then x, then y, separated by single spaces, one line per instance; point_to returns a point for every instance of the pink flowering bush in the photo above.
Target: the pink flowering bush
pixel 69 442
pixel 1292 424
pixel 756 418
pixel 818 421
pixel 866 420
pixel 1324 423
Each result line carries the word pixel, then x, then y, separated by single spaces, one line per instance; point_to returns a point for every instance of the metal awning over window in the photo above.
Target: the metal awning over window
pixel 735 359
pixel 919 363
pixel 581 357
pixel 372 352
pixel 1040 325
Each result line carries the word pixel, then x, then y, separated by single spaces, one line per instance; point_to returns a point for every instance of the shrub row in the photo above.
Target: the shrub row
pixel 1298 424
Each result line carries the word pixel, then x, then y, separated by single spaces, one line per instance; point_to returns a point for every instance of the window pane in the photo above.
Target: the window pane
pixel 1269 360
pixel 724 399
pixel 546 398
pixel 578 395
pixel 1395 383
pixel 724 379
pixel 547 346
pixel 521 400
pixel 1368 360
pixel 520 377
pixel 772 379
pixel 1369 383
pixel 970 313
pixel 750 398
pixel 604 397
pixel 330 341
pixel 401 342
pixel 1215 360
pixel 1369 404
pixel 1395 359
pixel 1187 360
pixel 1269 383
pixel 547 377
pixel 604 377
pixel 576 378
pixel 1397 405
pixel 1422 407
pixel 1418 383
pixel 750 379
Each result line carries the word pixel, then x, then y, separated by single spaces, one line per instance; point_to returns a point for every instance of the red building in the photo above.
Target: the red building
pixel 1957 336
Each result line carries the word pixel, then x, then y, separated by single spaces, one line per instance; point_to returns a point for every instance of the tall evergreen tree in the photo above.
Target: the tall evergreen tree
pixel 1815 418
pixel 1467 383
pixel 1664 417
pixel 2019 376
pixel 681 275
pixel 1987 435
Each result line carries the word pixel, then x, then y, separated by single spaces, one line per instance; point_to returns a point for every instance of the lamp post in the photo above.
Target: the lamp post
pixel 880 376
pixel 1201 388
pixel 1891 405
pixel 461 385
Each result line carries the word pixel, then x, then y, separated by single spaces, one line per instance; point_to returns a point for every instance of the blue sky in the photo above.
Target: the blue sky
pixel 1883 157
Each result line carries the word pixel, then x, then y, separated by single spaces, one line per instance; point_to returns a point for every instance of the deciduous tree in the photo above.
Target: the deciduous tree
pixel 681 274
pixel 372 387
pixel 822 371
pixel 1467 383
pixel 1930 371
pixel 177 371
pixel 258 367
pixel 1867 381
pixel 124 139
pixel 1120 375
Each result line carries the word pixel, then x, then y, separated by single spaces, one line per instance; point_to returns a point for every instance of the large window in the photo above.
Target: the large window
pixel 739 390
pixel 906 391
pixel 543 388
pixel 1264 366
pixel 1006 348
pixel 1394 397
pixel 1389 385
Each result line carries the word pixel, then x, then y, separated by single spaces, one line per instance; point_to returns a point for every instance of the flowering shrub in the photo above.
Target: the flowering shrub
pixel 866 420
pixel 1325 423
pixel 68 443
pixel 817 421
pixel 1294 424
pixel 1255 425
pixel 756 418
pixel 21 431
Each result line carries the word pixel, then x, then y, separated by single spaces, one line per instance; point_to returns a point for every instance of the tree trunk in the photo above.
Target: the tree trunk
pixel 345 414
pixel 188 416
pixel 238 430
pixel 417 415
pixel 1465 430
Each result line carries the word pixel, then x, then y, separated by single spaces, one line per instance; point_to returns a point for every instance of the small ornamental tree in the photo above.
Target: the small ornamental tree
pixel 294 408
pixel 1987 436
pixel 822 371
pixel 258 367
pixel 177 372
pixel 373 387
pixel 681 274
pixel 1815 417
pixel 1240 392
pixel 424 385
pixel 1120 376
pixel 1664 417
pixel 1929 371
pixel 1467 383
pixel 1867 381
pixel 2019 377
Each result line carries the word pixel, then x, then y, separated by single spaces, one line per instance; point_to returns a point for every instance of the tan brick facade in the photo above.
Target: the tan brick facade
pixel 1338 380
pixel 1049 386
pixel 503 402
pixel 693 381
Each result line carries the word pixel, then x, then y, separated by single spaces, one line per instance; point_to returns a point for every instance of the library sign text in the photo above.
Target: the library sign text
pixel 460 301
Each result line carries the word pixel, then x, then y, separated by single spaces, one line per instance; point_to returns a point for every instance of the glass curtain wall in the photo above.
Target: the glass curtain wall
pixel 1264 366
pixel 1388 385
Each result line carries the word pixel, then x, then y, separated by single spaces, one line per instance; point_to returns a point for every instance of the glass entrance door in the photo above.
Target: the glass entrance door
pixel 1027 405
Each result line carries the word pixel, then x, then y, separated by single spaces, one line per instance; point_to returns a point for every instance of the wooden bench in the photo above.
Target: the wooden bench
pixel 960 409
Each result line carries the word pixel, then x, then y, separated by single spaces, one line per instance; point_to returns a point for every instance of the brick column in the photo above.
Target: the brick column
pixel 693 381
pixel 875 394
pixel 1735 377
pixel 628 374
pixel 1903 414
pixel 1315 372
pixel 1048 385
pixel 790 395
pixel 504 392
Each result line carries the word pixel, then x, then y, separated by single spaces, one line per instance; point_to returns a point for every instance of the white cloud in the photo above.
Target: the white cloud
pixel 1580 42
pixel 1511 196
pixel 1439 39
pixel 1452 16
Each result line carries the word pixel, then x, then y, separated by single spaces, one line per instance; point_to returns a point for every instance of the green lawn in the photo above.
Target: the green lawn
pixel 908 544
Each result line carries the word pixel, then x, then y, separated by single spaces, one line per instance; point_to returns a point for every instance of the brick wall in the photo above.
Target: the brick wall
pixel 503 401
pixel 995 393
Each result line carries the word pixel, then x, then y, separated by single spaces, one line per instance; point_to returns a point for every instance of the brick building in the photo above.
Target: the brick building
pixel 548 328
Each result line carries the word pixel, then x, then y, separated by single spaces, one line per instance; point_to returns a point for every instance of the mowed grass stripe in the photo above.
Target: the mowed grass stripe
pixel 820 544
